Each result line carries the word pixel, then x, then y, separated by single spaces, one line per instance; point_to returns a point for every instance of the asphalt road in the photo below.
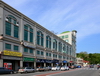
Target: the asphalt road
pixel 72 72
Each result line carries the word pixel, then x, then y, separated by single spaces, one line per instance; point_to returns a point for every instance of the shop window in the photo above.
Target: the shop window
pixel 8 46
pixel 16 48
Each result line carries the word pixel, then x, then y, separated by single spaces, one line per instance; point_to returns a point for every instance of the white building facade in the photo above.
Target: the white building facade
pixel 70 37
pixel 23 42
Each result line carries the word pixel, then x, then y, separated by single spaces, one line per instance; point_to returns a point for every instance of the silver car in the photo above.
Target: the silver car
pixel 26 69
pixel 64 68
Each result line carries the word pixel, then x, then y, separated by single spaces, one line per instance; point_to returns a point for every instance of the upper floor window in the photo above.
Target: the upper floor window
pixel 60 46
pixel 7 46
pixel 40 38
pixel 48 42
pixel 11 26
pixel 54 44
pixel 28 33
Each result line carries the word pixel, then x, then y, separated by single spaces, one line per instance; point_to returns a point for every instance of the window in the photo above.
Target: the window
pixel 40 38
pixel 16 48
pixel 25 49
pixel 8 46
pixel 66 36
pixel 60 47
pixel 67 40
pixel 46 54
pixel 54 44
pixel 49 54
pixel 38 52
pixel 28 33
pixel 11 26
pixel 62 37
pixel 31 50
pixel 42 53
pixel 48 42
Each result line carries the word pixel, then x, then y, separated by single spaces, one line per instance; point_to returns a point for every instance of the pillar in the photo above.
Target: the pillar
pixel 1 62
pixel 21 63
pixel 34 65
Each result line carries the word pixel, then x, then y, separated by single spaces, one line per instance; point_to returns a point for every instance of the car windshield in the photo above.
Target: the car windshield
pixel 22 68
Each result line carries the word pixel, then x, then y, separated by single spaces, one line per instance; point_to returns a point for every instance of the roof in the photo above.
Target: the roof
pixel 65 32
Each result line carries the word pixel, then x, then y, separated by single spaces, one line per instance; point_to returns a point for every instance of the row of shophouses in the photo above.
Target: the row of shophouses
pixel 23 42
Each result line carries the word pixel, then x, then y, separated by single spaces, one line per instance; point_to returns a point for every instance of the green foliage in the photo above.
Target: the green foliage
pixel 93 58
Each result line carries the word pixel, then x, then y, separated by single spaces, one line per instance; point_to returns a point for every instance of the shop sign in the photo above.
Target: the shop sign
pixel 64 61
pixel 12 53
pixel 55 61
pixel 12 58
pixel 71 61
pixel 28 59
pixel 41 60
pixel 48 61
pixel 28 45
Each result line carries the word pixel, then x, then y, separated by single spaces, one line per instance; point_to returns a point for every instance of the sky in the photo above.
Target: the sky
pixel 66 15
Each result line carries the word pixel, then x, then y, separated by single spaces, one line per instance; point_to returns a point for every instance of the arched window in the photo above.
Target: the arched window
pixel 40 38
pixel 11 26
pixel 64 48
pixel 54 44
pixel 28 33
pixel 60 46
pixel 48 42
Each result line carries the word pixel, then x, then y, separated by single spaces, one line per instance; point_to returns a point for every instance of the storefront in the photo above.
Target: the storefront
pixel 64 62
pixel 11 59
pixel 48 62
pixel 40 62
pixel 28 62
pixel 55 62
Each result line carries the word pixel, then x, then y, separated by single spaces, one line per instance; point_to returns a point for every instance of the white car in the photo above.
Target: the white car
pixel 55 68
pixel 26 69
pixel 64 68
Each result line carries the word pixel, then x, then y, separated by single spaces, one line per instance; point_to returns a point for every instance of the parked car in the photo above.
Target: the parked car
pixel 64 68
pixel 46 68
pixel 40 69
pixel 55 68
pixel 26 69
pixel 98 66
pixel 4 70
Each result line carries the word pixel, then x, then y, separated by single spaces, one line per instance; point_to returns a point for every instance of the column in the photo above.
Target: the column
pixel 44 64
pixel 35 36
pixel 21 63
pixel 1 19
pixel 1 62
pixel 34 65
pixel 51 64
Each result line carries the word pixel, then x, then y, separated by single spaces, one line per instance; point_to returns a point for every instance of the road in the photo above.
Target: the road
pixel 72 72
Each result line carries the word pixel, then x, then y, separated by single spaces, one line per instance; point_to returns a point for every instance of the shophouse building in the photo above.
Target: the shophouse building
pixel 24 42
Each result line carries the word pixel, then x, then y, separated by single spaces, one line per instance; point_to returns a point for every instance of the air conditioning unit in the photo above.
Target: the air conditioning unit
pixel 17 23
pixel 6 18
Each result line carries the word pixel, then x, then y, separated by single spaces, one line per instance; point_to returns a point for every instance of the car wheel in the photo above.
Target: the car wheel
pixel 26 72
pixel 11 72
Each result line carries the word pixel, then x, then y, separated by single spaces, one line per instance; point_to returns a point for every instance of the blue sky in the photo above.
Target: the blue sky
pixel 66 15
